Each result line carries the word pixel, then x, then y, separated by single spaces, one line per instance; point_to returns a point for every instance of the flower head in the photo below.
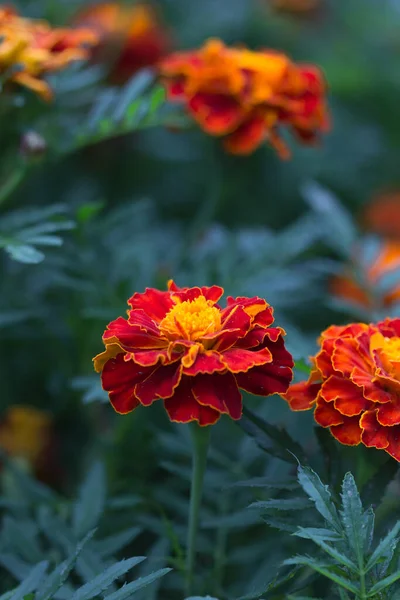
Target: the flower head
pixel 30 49
pixel 354 387
pixel 245 96
pixel 25 433
pixel 367 294
pixel 182 347
pixel 131 38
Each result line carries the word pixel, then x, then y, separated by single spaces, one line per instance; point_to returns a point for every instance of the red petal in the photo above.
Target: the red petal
pixel 235 325
pixel 238 360
pixel 252 306
pixel 161 383
pixel 280 356
pixel 347 397
pixel 253 338
pixel 133 336
pixel 111 351
pixel 148 358
pixel 372 389
pixel 349 433
pixel 119 379
pixel 394 443
pixel 249 136
pixel 217 114
pixel 265 318
pixel 183 408
pixel 220 392
pixel 153 302
pixel 302 395
pixel 265 380
pixel 373 435
pixel 389 414
pixel 347 355
pixel 326 414
pixel 207 362
pixel 212 293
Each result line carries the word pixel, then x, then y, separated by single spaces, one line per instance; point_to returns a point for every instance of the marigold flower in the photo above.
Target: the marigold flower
pixel 30 49
pixel 130 37
pixel 25 433
pixel 245 96
pixel 354 387
pixel 182 347
pixel 346 287
pixel 382 215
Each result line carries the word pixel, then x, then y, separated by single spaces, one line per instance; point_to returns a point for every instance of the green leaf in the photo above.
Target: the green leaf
pixel 265 482
pixel 322 534
pixel 383 584
pixel 380 552
pixel 271 439
pixel 114 543
pixel 130 588
pixel 321 568
pixel 368 523
pixel 60 574
pixel 23 253
pixel 352 516
pixel 103 581
pixel 320 494
pixel 282 504
pixel 89 507
pixel 31 582
pixel 338 556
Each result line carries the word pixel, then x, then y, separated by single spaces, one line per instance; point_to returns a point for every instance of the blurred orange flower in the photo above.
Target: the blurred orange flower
pixel 382 215
pixel 182 347
pixel 131 37
pixel 354 387
pixel 30 49
pixel 295 6
pixel 366 293
pixel 245 96
pixel 25 433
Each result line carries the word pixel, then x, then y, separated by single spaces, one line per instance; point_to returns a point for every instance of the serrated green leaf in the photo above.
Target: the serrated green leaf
pixel 322 534
pixel 338 556
pixel 383 547
pixel 103 581
pixel 31 582
pixel 351 515
pixel 131 588
pixel 60 574
pixel 368 523
pixel 320 495
pixel 282 504
pixel 134 88
pixel 322 568
pixel 89 506
pixel 383 584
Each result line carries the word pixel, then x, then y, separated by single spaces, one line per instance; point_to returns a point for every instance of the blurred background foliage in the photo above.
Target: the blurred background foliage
pixel 108 190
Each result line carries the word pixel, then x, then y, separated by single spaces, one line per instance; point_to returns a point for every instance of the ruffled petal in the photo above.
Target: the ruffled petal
pixel 388 414
pixel 349 433
pixel 111 351
pixel 182 407
pixel 265 380
pixel 326 414
pixel 160 383
pixel 217 114
pixel 393 447
pixel 220 393
pixel 246 138
pixel 347 397
pixel 154 303
pixel 206 362
pixel 373 434
pixel 302 395
pixel 238 360
pixel 119 379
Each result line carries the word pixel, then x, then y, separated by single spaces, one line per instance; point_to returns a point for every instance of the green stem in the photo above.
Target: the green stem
pixel 200 439
pixel 363 591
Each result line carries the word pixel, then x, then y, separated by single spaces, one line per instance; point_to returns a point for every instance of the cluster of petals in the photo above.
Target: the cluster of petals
pixel 365 290
pixel 182 347
pixel 29 49
pixel 354 387
pixel 131 37
pixel 245 97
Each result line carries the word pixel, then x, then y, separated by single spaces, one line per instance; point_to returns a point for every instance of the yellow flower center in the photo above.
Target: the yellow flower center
pixel 191 320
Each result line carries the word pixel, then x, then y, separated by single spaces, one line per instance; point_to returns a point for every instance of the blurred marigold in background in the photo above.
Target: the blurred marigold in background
pixel 245 96
pixel 26 434
pixel 354 386
pixel 181 346
pixel 295 6
pixel 382 215
pixel 30 49
pixel 369 289
pixel 131 37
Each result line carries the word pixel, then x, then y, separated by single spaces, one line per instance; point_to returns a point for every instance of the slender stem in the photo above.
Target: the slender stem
pixel 220 547
pixel 363 591
pixel 200 439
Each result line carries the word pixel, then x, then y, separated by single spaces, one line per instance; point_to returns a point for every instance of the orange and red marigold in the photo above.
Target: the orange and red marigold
pixel 245 96
pixel 30 49
pixel 182 347
pixel 354 387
